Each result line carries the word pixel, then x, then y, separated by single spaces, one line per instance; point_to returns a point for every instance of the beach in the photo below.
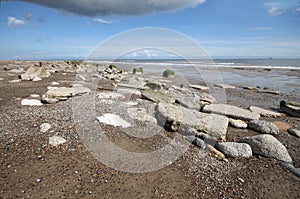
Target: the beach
pixel 33 168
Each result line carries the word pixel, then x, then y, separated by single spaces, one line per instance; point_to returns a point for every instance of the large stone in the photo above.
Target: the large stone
pixel 233 149
pixel 55 94
pixel 110 95
pixel 264 112
pixel 114 120
pixel 269 146
pixel 263 126
pixel 34 72
pixel 230 111
pixel 177 118
pixel 140 114
pixel 158 96
pixel 205 97
pixel 191 102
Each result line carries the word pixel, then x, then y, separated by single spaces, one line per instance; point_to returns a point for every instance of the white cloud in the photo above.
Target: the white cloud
pixel 103 21
pixel 116 7
pixel 275 11
pixel 261 28
pixel 298 9
pixel 14 22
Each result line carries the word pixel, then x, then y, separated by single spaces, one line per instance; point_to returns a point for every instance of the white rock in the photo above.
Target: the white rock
pixel 114 120
pixel 56 140
pixel 36 79
pixel 31 102
pixel 55 84
pixel 45 127
pixel 35 96
pixel 237 123
pixel 130 103
pixel 15 81
pixel 1 79
pixel 264 112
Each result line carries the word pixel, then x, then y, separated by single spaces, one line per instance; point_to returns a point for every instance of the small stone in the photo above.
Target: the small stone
pixel 45 127
pixel 31 102
pixel 110 95
pixel 225 86
pixel 263 126
pixel 234 149
pixel 36 79
pixel 169 73
pixel 238 123
pixel 55 84
pixel 56 140
pixel 196 141
pixel 241 179
pixel 138 71
pixel 35 96
pixel 294 132
pixel 199 87
pixel 38 180
pixel 154 86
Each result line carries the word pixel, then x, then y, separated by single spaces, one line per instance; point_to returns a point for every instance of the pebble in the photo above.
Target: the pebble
pixel 45 127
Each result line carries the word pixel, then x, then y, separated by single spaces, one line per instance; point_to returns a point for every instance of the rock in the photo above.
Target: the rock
pixel 264 112
pixel 114 120
pixel 15 81
pixel 45 127
pixel 267 145
pixel 35 96
pixel 269 92
pixel 33 72
pixel 282 126
pixel 199 87
pixel 169 74
pixel 17 70
pixel 252 88
pixel 294 132
pixel 1 79
pixel 291 108
pixel 263 126
pixel 238 123
pixel 177 118
pixel 191 102
pixel 233 149
pixel 36 79
pixel 205 97
pixel 138 71
pixel 291 168
pixel 180 90
pixel 31 102
pixel 230 111
pixel 55 94
pixel 55 84
pixel 130 92
pixel 131 86
pixel 110 95
pixel 154 86
pixel 140 114
pixel 225 86
pixel 157 96
pixel 130 103
pixel 196 141
pixel 56 140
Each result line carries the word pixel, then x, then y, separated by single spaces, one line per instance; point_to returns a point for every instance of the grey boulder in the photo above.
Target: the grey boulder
pixel 263 126
pixel 233 149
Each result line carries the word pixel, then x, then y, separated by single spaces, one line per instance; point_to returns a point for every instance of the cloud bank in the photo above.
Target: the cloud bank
pixel 116 7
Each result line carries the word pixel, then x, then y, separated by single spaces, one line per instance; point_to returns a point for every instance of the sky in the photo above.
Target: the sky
pixel 44 29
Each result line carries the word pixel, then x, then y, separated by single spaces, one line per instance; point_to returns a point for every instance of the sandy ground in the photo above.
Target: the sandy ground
pixel 31 168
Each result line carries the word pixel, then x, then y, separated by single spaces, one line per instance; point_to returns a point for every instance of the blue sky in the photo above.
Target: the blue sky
pixel 32 29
